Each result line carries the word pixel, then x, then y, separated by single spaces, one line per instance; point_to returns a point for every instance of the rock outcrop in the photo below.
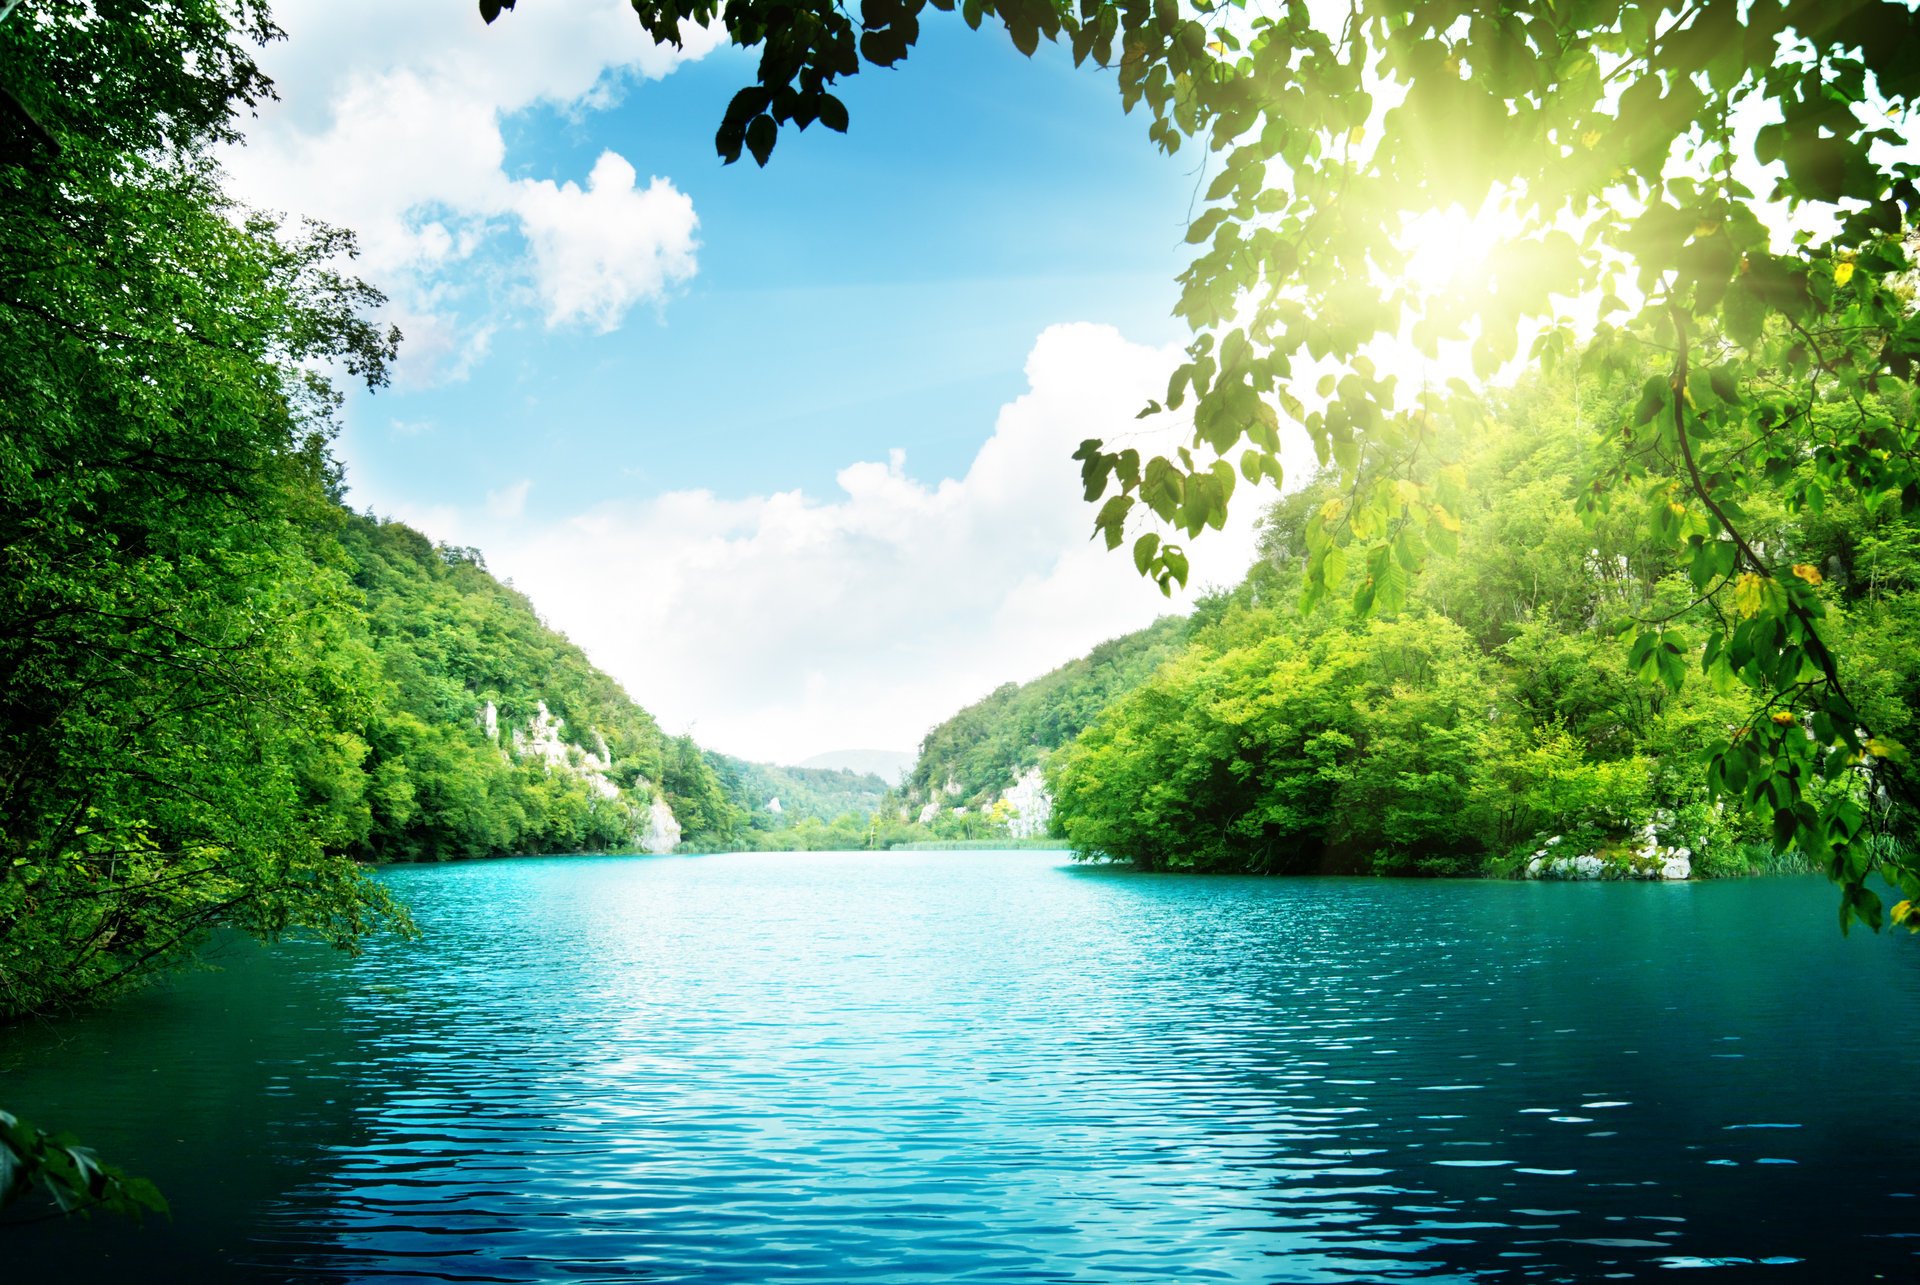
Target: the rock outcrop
pixel 1030 804
pixel 1647 856
pixel 663 830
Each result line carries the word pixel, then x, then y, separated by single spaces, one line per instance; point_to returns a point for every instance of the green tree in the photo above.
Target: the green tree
pixel 1341 749
pixel 179 732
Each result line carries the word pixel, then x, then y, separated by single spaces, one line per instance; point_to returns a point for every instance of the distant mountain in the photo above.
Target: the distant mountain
pixel 889 765
pixel 776 797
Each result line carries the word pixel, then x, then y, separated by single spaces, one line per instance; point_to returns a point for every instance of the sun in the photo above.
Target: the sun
pixel 1448 250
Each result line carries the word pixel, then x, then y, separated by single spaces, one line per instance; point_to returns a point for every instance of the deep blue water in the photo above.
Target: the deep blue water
pixel 993 1066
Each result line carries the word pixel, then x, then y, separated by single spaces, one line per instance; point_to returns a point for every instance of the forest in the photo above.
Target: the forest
pixel 1501 707
pixel 1505 705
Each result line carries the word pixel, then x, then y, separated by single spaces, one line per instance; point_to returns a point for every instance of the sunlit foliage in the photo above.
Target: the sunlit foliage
pixel 1494 712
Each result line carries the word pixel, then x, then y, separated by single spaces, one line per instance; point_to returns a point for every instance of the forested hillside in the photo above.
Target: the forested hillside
pixel 218 689
pixel 1505 707
pixel 775 797
pixel 977 754
pixel 490 733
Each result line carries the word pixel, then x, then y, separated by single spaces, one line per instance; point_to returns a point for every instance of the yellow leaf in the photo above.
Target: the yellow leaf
pixel 1807 572
pixel 1746 593
pixel 1447 521
pixel 1842 273
pixel 1883 747
pixel 1590 139
pixel 1783 716
pixel 1704 228
pixel 1902 912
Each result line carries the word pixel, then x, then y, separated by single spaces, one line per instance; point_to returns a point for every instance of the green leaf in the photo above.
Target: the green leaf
pixel 1333 565
pixel 761 136
pixel 1143 550
pixel 1112 520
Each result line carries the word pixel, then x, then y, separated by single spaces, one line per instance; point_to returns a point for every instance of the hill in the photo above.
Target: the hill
pixel 491 733
pixel 775 797
pixel 978 754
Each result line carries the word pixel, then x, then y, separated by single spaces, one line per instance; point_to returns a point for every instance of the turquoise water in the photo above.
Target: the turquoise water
pixel 993 1066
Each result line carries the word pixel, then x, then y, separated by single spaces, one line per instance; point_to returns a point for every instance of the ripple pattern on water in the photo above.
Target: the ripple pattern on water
pixel 929 1067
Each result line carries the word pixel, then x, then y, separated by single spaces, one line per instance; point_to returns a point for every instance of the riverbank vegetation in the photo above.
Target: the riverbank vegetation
pixel 1505 703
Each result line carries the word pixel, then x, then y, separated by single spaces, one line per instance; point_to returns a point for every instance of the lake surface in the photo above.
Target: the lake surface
pixel 996 1067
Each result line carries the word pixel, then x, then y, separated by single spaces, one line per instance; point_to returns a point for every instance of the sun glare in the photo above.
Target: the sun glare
pixel 1447 250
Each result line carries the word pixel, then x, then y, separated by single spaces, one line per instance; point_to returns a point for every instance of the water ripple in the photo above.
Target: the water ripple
pixel 918 1068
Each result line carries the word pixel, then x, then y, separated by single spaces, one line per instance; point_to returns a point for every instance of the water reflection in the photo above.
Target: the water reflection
pixel 923 1067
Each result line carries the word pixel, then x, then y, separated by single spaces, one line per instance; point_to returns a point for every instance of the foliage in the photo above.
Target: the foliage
pixel 173 715
pixel 1495 711
pixel 74 1178
pixel 1346 749
pixel 982 749
pixel 216 687
pixel 819 793
pixel 1614 136
pixel 1620 139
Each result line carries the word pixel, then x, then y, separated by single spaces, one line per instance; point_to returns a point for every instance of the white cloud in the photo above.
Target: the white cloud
pixel 598 252
pixel 389 124
pixel 778 626
pixel 509 501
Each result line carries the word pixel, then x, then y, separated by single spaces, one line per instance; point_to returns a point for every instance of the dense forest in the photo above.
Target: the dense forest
pixel 1508 705
pixel 794 808
pixel 488 733
pixel 973 757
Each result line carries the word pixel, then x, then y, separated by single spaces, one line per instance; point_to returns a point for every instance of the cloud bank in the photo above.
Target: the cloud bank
pixel 779 626
pixel 390 123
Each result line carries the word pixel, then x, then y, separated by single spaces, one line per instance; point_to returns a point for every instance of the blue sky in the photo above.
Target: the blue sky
pixel 874 290
pixel 784 448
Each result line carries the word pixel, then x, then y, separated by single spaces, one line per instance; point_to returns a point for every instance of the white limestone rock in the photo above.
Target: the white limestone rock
pixel 663 830
pixel 1030 805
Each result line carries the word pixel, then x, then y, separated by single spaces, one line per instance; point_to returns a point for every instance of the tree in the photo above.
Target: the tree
pixel 1720 178
pixel 178 717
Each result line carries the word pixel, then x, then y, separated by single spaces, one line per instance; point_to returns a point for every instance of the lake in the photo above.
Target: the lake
pixel 998 1067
